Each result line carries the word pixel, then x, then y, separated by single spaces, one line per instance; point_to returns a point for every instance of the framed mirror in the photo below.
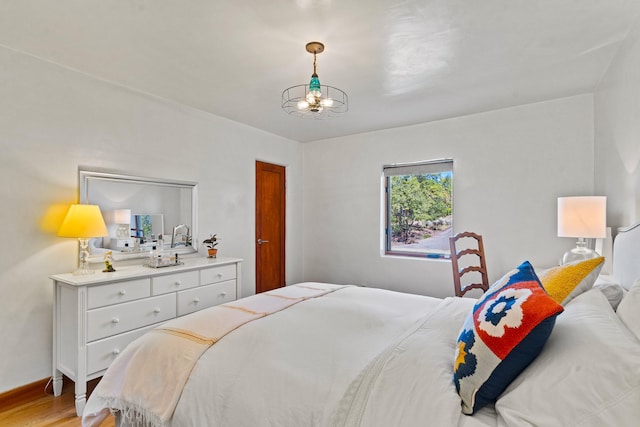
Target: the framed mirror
pixel 141 213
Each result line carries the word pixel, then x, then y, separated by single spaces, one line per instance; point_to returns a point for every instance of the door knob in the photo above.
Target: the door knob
pixel 260 241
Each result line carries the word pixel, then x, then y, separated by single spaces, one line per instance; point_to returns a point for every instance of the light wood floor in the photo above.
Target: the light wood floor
pixel 44 410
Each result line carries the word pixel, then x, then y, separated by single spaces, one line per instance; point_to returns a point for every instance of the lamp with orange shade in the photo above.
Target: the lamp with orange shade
pixel 83 222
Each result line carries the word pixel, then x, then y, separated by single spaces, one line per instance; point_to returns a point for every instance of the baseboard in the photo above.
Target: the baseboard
pixel 28 392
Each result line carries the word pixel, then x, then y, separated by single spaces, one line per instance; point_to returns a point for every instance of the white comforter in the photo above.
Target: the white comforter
pixel 358 356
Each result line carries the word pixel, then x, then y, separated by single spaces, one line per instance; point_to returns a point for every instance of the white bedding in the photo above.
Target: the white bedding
pixel 357 356
pixel 388 354
pixel 369 357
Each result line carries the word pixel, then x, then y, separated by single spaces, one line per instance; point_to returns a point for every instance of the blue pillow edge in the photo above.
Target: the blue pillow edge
pixel 514 363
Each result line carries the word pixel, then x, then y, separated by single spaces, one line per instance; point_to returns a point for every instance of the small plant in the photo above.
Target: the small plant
pixel 211 242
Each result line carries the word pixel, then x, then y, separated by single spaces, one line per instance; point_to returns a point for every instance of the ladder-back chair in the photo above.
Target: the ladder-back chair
pixel 475 249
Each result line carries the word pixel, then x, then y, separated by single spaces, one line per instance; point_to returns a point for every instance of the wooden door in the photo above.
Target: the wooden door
pixel 270 226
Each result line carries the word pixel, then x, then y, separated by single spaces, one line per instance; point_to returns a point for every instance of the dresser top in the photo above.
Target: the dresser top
pixel 135 271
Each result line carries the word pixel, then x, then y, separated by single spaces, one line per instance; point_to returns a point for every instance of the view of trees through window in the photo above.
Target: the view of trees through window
pixel 419 211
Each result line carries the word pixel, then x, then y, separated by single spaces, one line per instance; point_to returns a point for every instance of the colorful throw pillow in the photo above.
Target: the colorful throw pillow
pixel 505 331
pixel 565 282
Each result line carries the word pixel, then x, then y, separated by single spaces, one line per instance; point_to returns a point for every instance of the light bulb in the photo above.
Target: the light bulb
pixel 327 102
pixel 303 105
pixel 311 99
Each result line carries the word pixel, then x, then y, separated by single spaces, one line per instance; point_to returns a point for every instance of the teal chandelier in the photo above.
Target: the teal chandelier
pixel 314 100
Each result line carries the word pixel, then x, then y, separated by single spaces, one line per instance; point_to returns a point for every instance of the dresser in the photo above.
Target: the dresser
pixel 95 316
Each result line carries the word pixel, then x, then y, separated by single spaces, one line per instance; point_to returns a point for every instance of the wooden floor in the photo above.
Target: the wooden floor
pixel 45 410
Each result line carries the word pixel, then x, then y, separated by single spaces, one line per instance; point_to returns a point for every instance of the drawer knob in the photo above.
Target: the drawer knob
pixel 122 293
pixel 115 320
pixel 115 352
pixel 219 275
pixel 178 283
pixel 156 310
pixel 223 294
pixel 196 300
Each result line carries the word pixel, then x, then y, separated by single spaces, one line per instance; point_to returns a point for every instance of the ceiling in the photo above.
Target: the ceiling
pixel 401 62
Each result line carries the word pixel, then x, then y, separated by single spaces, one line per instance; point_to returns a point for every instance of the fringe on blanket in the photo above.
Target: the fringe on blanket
pixel 131 415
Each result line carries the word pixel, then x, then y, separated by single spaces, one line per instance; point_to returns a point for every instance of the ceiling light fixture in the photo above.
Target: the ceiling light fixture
pixel 314 100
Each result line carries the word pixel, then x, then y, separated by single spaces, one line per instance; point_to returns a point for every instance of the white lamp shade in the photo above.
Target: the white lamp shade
pixel 122 216
pixel 83 221
pixel 582 216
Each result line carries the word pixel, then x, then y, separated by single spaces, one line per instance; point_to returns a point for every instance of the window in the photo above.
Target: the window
pixel 419 208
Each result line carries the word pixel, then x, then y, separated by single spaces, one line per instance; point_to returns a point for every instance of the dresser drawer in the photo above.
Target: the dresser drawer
pixel 217 274
pixel 206 296
pixel 128 290
pixel 101 353
pixel 174 282
pixel 116 319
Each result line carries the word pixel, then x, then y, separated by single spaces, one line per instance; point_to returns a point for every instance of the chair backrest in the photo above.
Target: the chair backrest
pixel 473 250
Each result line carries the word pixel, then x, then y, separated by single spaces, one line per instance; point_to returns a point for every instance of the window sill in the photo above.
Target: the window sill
pixel 416 256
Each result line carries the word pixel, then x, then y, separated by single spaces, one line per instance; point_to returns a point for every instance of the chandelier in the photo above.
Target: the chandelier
pixel 314 100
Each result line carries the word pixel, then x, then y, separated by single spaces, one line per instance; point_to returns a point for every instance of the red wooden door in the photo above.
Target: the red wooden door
pixel 270 226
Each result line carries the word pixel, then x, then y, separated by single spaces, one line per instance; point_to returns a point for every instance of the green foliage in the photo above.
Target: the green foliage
pixel 146 224
pixel 417 199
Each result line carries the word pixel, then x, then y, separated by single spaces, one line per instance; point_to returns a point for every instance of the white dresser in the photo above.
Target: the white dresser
pixel 95 316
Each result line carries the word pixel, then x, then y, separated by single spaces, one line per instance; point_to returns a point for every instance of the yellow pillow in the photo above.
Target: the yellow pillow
pixel 565 282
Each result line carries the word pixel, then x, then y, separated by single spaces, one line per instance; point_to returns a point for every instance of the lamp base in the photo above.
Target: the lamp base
pixel 83 255
pixel 83 271
pixel 123 231
pixel 580 253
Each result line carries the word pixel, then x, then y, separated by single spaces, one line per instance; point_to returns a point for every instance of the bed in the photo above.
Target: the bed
pixel 317 354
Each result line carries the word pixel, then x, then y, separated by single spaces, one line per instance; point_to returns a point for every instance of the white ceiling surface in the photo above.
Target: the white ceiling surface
pixel 401 62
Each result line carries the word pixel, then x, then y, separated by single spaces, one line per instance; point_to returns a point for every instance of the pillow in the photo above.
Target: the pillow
pixel 566 282
pixel 611 289
pixel 629 309
pixel 504 332
pixel 588 373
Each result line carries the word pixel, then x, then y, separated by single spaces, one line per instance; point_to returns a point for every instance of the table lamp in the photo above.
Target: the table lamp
pixel 83 222
pixel 582 217
pixel 122 217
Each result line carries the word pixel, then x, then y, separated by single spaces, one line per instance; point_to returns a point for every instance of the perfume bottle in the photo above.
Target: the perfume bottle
pixel 153 257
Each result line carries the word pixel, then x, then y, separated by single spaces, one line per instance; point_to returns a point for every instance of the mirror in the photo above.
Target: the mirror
pixel 140 213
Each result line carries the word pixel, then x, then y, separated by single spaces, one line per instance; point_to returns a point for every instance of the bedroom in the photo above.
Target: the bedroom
pixel 55 119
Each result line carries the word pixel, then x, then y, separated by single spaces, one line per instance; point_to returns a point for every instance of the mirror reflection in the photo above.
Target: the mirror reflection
pixel 180 236
pixel 147 227
pixel 140 213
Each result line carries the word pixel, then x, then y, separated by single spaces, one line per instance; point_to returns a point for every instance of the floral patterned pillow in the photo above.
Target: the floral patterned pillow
pixel 506 330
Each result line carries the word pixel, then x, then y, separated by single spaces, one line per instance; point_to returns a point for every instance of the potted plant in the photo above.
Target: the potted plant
pixel 211 243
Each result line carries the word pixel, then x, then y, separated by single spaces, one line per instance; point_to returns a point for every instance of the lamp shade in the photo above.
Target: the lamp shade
pixel 582 217
pixel 122 216
pixel 83 221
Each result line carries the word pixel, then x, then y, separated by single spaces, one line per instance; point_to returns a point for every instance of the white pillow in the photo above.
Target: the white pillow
pixel 629 309
pixel 588 373
pixel 611 289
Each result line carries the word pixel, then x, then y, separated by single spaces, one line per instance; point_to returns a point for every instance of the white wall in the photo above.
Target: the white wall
pixel 617 135
pixel 51 121
pixel 509 167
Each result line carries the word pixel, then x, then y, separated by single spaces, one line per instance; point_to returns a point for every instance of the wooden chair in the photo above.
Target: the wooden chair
pixel 474 249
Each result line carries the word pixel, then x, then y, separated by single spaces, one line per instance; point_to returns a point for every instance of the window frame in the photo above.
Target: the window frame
pixel 414 168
